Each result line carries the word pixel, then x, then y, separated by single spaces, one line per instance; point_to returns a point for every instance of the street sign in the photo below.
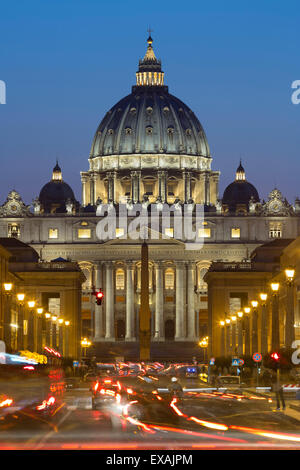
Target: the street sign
pixel 75 363
pixel 242 362
pixel 257 357
pixel 212 361
pixel 235 361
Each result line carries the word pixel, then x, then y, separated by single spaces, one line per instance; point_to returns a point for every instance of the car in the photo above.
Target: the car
pixel 105 391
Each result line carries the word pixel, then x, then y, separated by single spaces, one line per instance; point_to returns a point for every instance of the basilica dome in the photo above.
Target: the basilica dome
pixel 240 192
pixel 56 194
pixel 150 120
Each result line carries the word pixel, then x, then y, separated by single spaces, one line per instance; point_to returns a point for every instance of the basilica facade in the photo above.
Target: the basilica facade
pixel 149 149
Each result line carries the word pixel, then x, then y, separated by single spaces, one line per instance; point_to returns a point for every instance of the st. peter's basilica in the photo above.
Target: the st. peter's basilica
pixel 149 148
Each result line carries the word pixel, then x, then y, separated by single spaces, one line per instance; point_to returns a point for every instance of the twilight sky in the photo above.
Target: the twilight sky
pixel 66 62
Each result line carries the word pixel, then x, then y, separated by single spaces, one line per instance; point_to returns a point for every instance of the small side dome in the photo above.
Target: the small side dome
pixel 56 195
pixel 237 195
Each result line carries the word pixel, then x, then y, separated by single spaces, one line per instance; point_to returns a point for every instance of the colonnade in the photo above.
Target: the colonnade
pixel 183 293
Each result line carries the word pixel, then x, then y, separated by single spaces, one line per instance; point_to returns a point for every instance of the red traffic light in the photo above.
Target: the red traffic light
pixel 275 356
pixel 99 297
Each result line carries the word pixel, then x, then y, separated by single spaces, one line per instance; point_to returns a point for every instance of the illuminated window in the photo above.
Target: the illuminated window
pixel 169 278
pixel 169 232
pixel 14 230
pixel 119 232
pixel 53 233
pixel 204 233
pixel 120 279
pixel 275 230
pixel 84 233
pixel 235 233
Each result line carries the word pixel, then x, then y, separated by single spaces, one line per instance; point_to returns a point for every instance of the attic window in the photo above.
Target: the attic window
pixel 128 131
pixel 84 223
pixel 188 132
pixel 170 130
pixel 133 110
pixel 149 110
pixel 110 131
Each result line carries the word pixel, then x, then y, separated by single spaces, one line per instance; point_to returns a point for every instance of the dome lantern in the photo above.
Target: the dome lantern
pixel 150 73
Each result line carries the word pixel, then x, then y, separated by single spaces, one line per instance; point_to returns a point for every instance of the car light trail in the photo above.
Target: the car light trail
pixel 269 434
pixel 208 424
pixel 6 402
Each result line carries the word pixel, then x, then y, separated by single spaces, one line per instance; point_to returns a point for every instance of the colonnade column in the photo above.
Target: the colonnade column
pixel 180 301
pixel 99 330
pixel 159 303
pixel 191 301
pixel 129 336
pixel 109 302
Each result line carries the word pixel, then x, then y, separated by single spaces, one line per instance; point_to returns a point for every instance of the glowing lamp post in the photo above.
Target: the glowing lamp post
pixel 247 311
pixel 254 304
pixel 204 344
pixel 275 316
pixel 264 327
pixel 85 343
pixel 240 332
pixel 289 320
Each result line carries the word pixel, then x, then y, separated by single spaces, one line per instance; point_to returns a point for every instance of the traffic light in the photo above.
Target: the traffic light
pixel 275 356
pixel 99 297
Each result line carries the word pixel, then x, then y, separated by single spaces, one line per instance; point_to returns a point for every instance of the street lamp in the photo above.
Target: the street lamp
pixel 240 315
pixel 204 344
pixel 20 297
pixel 264 327
pixel 289 319
pixel 247 311
pixel 85 343
pixel 30 340
pixel 275 316
pixel 7 286
pixel 254 304
pixel 289 273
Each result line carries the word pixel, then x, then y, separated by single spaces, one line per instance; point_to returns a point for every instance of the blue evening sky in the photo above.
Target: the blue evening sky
pixel 66 62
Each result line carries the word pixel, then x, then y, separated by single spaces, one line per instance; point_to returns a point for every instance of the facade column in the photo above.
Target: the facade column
pixel 191 301
pixel 247 334
pixel 130 336
pixel 159 302
pixel 207 189
pixel 180 301
pixel 83 197
pixel 187 186
pixel 92 193
pixel 111 187
pixel 109 303
pixel 99 330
